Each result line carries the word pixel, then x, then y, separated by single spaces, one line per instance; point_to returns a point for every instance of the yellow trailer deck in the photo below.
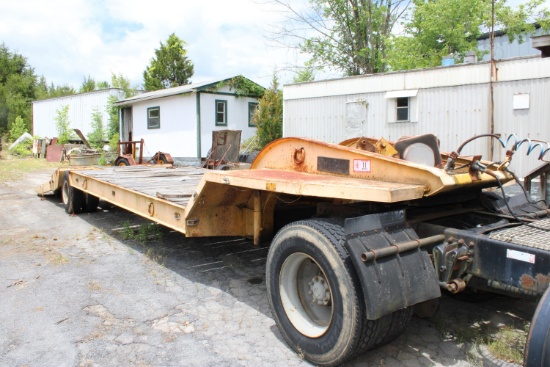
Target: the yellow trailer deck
pixel 362 232
pixel 200 202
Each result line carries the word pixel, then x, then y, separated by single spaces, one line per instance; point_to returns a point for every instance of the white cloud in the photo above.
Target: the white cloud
pixel 67 40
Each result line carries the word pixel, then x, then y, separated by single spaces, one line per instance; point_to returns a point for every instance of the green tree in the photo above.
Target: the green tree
pixel 18 128
pixel 170 67
pixel 62 124
pixel 305 74
pixel 96 137
pixel 451 27
pixel 102 85
pixel 118 81
pixel 44 91
pixel 17 88
pixel 346 35
pixel 88 85
pixel 269 115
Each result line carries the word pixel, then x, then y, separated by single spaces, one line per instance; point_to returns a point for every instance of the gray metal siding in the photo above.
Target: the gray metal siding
pixel 453 113
pixel 532 123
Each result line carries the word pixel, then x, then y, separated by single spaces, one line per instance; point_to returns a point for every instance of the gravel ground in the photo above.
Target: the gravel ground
pixel 73 292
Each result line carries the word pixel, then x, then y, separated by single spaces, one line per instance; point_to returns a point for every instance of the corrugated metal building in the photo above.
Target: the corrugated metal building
pixel 81 107
pixel 505 49
pixel 452 102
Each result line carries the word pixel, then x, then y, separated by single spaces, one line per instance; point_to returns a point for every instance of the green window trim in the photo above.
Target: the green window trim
pixel 220 112
pixel 153 117
pixel 252 107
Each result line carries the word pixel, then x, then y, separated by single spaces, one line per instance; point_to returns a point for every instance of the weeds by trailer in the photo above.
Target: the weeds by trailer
pixel 362 235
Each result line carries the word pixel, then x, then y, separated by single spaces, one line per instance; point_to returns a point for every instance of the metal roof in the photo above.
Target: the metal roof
pixel 161 93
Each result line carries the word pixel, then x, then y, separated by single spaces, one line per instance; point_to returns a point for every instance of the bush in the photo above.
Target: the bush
pixel 23 149
pixel 96 136
pixel 269 115
pixel 62 124
pixel 18 128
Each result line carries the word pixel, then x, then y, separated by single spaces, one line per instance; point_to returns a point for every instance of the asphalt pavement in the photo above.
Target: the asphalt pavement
pixel 75 292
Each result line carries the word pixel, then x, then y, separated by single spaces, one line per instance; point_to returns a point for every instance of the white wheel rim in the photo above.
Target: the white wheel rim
pixel 306 295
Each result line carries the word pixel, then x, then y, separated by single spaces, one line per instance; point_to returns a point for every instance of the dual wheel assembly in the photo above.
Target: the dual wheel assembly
pixel 77 201
pixel 316 298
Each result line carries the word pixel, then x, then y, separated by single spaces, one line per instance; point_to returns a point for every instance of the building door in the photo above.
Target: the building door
pixel 127 124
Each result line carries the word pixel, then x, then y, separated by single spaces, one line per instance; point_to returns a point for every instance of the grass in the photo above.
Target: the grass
pixel 13 168
pixel 144 235
pixel 505 343
pixel 508 344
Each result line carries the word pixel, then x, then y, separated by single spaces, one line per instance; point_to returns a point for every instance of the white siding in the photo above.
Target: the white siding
pixel 452 102
pixel 81 107
pixel 237 112
pixel 177 134
pixel 178 123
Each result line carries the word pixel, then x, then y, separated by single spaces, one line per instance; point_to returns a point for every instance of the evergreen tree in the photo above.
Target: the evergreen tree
pixel 17 88
pixel 170 67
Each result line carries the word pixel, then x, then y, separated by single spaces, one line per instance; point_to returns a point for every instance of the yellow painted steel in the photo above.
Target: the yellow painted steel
pixel 156 209
pixel 301 155
pixel 242 202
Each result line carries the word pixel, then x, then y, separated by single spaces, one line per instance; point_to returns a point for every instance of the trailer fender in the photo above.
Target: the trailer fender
pixel 392 277
pixel 537 347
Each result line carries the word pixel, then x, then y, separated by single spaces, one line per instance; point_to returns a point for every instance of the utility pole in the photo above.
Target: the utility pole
pixel 491 84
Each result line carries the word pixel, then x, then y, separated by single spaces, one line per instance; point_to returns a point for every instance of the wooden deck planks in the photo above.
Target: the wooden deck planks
pixel 175 185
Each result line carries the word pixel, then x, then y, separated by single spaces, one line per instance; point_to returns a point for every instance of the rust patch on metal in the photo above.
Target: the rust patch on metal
pixel 527 282
pixel 542 280
pixel 539 283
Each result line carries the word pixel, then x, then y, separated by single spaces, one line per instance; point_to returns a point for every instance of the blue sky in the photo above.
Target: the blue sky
pixel 66 41
pixel 69 40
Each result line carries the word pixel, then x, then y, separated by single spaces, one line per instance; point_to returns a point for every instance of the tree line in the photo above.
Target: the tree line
pixel 352 37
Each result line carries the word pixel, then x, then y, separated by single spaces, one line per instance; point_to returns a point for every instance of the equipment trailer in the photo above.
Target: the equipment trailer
pixel 364 232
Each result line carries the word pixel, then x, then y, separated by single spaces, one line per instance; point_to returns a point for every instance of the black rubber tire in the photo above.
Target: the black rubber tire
pixel 537 348
pixel 349 332
pixel 397 322
pixel 74 199
pixel 91 203
pixel 122 162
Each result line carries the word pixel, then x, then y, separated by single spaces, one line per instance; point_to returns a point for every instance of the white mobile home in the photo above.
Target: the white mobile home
pixel 452 102
pixel 180 120
pixel 81 107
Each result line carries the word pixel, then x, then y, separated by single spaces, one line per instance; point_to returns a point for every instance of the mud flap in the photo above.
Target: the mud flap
pixel 394 282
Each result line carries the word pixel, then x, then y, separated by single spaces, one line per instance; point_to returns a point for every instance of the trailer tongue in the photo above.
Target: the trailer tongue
pixel 362 232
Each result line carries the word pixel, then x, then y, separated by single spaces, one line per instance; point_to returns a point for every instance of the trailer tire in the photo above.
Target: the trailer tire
pixel 537 347
pixel 74 199
pixel 91 203
pixel 315 296
pixel 122 162
pixel 398 321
